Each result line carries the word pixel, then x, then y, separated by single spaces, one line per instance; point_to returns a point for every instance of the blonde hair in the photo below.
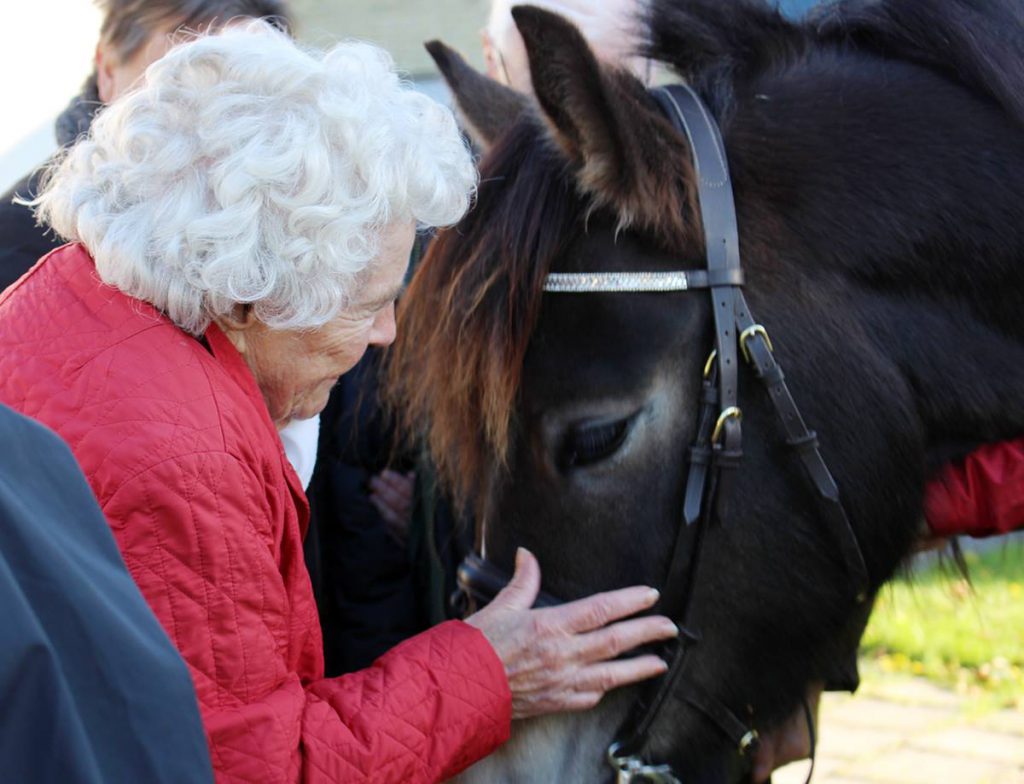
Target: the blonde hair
pixel 248 170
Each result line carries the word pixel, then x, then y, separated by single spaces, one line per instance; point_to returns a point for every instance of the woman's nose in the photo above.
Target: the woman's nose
pixel 384 328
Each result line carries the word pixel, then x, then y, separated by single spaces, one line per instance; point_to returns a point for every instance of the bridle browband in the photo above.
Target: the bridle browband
pixel 716 450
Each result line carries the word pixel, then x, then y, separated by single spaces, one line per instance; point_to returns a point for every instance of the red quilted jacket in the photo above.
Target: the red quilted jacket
pixel 982 495
pixel 181 453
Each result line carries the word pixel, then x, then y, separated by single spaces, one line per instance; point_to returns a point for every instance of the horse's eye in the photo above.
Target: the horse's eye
pixel 589 442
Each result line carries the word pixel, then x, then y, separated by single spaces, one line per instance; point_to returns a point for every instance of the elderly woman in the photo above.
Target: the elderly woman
pixel 240 226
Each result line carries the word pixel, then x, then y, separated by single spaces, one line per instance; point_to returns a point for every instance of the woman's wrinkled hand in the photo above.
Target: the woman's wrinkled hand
pixel 563 658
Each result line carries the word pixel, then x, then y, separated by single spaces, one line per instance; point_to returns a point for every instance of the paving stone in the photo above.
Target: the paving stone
pixel 975 743
pixel 855 742
pixel 1008 721
pixel 907 731
pixel 909 766
pixel 1009 776
pixel 910 691
pixel 881 715
pixel 793 774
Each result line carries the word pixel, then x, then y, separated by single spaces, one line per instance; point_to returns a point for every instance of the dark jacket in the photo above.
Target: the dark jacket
pixel 22 242
pixel 93 691
pixel 362 577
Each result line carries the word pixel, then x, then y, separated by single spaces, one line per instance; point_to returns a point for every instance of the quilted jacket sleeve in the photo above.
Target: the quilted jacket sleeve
pixel 198 535
pixel 982 495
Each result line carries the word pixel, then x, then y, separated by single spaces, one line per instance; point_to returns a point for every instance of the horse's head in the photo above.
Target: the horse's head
pixel 877 160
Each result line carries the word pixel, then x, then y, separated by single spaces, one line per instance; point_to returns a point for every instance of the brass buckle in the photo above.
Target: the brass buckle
pixel 628 768
pixel 748 741
pixel 730 413
pixel 710 363
pixel 748 333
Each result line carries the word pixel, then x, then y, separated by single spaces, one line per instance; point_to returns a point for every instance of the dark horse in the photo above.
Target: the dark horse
pixel 877 156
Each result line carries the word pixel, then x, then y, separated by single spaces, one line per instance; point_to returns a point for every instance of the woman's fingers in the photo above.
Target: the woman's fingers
pixel 593 612
pixel 401 485
pixel 614 640
pixel 391 494
pixel 563 658
pixel 606 676
pixel 390 516
pixel 585 687
pixel 521 591
pixel 395 489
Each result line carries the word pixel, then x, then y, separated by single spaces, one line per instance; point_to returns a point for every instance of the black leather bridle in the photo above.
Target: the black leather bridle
pixel 716 451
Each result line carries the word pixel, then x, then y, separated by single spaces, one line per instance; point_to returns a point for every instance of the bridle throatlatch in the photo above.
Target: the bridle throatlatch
pixel 717 447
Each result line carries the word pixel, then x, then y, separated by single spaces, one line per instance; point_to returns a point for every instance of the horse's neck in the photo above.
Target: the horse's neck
pixel 566 747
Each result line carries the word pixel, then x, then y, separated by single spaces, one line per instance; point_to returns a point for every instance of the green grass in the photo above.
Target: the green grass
pixel 968 636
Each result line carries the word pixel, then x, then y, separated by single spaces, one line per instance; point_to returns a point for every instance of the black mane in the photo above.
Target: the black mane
pixel 975 43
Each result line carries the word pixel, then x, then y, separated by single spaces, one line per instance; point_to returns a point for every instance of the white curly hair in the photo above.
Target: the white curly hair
pixel 247 170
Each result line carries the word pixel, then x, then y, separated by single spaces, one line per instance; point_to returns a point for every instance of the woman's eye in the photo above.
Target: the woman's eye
pixel 590 442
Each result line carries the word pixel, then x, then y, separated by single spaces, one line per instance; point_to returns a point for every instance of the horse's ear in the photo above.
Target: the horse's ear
pixel 487 108
pixel 628 157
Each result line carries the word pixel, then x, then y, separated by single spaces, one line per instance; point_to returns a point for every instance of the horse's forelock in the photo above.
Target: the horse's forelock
pixel 467 318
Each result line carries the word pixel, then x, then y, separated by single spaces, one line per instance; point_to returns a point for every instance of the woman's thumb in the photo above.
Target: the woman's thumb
pixel 521 591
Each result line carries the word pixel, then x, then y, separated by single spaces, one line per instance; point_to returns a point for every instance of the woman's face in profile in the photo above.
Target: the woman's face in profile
pixel 296 369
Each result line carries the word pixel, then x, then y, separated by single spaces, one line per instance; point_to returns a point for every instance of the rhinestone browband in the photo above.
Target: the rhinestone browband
pixel 592 282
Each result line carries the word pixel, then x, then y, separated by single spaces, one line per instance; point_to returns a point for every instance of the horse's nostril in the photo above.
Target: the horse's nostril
pixel 590 442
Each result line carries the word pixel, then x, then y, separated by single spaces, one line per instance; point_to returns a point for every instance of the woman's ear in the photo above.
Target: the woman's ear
pixel 491 62
pixel 105 82
pixel 240 318
pixel 236 324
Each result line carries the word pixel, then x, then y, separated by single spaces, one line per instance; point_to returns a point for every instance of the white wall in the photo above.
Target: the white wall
pixel 46 50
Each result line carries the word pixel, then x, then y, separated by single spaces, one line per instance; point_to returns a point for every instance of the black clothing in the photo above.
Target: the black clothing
pixel 93 690
pixel 22 242
pixel 361 576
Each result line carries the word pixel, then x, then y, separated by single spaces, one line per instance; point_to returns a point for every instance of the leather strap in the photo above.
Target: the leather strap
pixel 718 216
pixel 700 452
pixel 743 738
pixel 757 348
pixel 705 279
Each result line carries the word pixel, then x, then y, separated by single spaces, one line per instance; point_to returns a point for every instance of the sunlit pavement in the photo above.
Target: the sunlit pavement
pixel 903 730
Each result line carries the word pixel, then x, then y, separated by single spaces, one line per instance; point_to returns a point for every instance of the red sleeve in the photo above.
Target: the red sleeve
pixel 423 712
pixel 232 592
pixel 982 495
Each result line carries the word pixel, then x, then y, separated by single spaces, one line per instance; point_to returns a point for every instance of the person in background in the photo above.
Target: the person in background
pixel 133 34
pixel 981 495
pixel 241 224
pixel 94 692
pixel 613 28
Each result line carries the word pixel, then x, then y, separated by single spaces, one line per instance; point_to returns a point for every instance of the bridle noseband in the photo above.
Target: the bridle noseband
pixel 717 447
